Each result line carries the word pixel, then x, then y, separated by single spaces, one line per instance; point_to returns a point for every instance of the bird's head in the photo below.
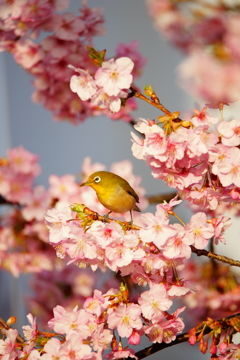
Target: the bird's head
pixel 99 180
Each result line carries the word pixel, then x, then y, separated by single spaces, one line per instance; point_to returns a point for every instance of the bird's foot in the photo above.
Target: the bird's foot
pixel 106 217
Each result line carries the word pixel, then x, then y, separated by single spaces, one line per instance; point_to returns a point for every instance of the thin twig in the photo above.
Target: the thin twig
pixel 149 101
pixel 224 259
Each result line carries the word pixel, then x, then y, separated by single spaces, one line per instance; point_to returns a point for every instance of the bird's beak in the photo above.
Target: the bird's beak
pixel 86 183
pixel 83 184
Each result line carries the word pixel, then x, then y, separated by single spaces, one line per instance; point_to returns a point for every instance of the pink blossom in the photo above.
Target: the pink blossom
pixel 138 146
pixel 228 170
pixel 213 80
pixel 27 53
pixel 95 304
pixel 37 205
pixel 220 225
pixel 80 245
pixel 19 189
pixel 178 290
pixel 154 301
pixel 23 162
pixel 164 331
pixel 84 84
pixel 168 206
pixel 102 100
pixel 114 76
pixel 62 187
pixel 106 233
pixel 101 338
pixel 93 21
pixel 34 355
pixel 203 118
pixel 57 223
pixel 230 132
pixel 13 8
pixel 74 349
pixel 199 231
pixel 155 228
pixel 52 349
pixel 125 318
pixel 71 322
pixel 121 354
pixel 36 11
pixel 135 337
pixel 230 352
pixel 30 332
pixel 120 253
pixel 178 246
pixel 67 26
pixel 155 141
pixel 7 346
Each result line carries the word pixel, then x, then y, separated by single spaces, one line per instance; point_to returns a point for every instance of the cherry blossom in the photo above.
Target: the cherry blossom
pixel 154 301
pixel 57 222
pixel 7 346
pixel 156 228
pixel 114 76
pixel 125 318
pixel 84 84
pixel 199 231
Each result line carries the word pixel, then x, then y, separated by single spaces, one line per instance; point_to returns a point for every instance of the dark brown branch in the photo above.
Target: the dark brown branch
pixel 3 201
pixel 156 199
pixel 211 255
pixel 179 339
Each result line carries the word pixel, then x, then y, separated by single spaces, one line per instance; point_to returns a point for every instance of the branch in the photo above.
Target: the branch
pixel 4 325
pixel 159 106
pixel 211 255
pixel 156 199
pixel 179 339
pixel 3 201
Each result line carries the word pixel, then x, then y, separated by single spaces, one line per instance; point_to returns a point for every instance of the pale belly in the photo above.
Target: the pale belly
pixel 118 201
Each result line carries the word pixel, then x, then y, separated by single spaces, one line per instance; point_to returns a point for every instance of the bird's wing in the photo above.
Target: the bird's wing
pixel 134 194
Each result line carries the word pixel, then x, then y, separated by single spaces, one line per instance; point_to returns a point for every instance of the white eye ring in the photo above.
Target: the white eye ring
pixel 97 179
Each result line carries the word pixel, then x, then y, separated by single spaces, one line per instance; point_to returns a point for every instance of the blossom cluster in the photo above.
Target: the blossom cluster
pixel 209 33
pixel 107 87
pixel 152 252
pixel 87 333
pixel 47 59
pixel 23 234
pixel 201 160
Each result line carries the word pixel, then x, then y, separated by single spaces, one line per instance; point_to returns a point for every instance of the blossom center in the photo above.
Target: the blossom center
pixel 107 233
pixel 237 131
pixel 158 228
pixel 71 354
pixel 114 75
pixel 235 170
pixel 125 320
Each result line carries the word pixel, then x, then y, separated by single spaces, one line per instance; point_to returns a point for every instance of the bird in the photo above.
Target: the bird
pixel 113 192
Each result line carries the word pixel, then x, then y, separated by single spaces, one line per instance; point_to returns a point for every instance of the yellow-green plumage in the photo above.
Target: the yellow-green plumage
pixel 113 192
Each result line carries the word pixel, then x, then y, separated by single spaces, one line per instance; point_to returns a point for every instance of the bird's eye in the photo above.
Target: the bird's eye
pixel 97 179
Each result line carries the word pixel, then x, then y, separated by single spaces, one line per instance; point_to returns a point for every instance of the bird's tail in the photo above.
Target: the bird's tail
pixel 136 208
